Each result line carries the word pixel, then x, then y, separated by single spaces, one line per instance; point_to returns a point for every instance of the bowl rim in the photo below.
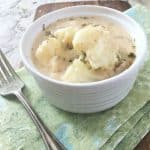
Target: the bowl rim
pixel 86 84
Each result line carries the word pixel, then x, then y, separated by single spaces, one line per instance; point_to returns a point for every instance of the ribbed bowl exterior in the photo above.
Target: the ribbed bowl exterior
pixel 89 97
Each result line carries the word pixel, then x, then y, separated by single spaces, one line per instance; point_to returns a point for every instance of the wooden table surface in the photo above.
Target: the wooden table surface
pixel 15 17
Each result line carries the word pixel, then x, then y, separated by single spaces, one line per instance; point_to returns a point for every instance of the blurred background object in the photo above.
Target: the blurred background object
pixel 143 2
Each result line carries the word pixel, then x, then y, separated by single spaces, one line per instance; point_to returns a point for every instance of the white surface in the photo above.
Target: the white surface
pixel 86 97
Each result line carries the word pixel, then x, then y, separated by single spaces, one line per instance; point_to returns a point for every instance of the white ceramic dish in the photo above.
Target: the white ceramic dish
pixel 86 97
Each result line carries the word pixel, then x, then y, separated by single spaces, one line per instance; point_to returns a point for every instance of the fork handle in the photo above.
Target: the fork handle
pixel 49 139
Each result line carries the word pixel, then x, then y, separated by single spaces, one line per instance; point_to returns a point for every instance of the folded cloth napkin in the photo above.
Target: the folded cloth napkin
pixel 125 130
pixel 137 133
pixel 79 131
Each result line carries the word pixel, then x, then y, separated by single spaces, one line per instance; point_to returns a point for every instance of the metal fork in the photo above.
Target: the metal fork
pixel 10 83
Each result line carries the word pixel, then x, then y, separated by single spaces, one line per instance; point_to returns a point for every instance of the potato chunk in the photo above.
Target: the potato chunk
pixel 47 49
pixel 77 72
pixel 102 55
pixel 95 43
pixel 65 35
pixel 86 38
pixel 57 64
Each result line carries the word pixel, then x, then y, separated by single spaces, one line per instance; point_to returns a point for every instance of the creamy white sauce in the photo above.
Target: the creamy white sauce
pixel 119 39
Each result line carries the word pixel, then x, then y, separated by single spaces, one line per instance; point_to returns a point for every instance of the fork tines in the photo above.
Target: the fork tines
pixel 6 71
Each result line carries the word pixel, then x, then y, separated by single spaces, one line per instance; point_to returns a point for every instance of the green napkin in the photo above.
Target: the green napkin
pixel 137 133
pixel 76 131
pixel 126 129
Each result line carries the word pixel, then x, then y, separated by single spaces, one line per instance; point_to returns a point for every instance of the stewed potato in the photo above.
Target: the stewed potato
pixel 48 48
pixel 66 35
pixel 83 49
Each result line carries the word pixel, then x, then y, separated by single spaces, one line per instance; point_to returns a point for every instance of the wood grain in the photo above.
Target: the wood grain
pixel 119 5
pixel 43 9
pixel 144 143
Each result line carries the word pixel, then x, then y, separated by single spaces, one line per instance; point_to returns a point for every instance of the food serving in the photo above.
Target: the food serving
pixel 92 41
pixel 83 49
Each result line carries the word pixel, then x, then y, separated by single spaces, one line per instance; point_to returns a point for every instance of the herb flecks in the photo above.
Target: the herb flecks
pixel 70 60
pixel 117 64
pixel 84 17
pixel 83 56
pixel 131 55
pixel 69 46
pixel 46 32
pixel 84 24
pixel 119 58
pixel 71 18
pixel 49 33
pixel 96 25
pixel 43 27
pixel 133 46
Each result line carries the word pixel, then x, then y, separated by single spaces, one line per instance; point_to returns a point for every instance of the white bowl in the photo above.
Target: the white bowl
pixel 86 97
